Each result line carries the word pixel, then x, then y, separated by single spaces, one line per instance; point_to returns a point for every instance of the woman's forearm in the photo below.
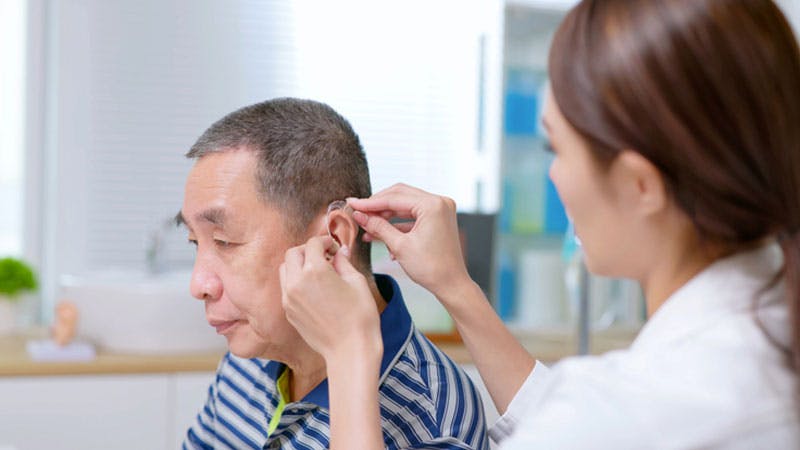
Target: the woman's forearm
pixel 502 361
pixel 354 406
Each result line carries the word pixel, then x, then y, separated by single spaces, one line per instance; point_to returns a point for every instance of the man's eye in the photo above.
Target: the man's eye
pixel 193 242
pixel 548 147
pixel 221 243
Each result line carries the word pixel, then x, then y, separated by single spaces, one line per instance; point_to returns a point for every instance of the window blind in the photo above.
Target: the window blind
pixel 135 84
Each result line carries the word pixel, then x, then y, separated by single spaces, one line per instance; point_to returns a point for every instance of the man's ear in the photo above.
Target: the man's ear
pixel 639 184
pixel 342 227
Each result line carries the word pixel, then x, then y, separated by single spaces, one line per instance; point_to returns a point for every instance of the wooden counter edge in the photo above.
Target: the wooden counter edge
pixel 15 362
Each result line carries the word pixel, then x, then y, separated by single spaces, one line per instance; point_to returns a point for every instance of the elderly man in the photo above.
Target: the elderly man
pixel 262 181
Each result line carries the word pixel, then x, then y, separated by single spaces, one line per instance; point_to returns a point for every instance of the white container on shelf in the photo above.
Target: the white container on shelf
pixel 541 295
pixel 7 315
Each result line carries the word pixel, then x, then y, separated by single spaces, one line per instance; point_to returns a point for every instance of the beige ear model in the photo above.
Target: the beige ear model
pixel 66 323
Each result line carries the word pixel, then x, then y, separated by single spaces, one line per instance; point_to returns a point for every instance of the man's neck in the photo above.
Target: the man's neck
pixel 307 369
pixel 380 302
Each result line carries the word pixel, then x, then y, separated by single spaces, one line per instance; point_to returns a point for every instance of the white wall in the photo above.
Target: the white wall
pixel 12 114
pixel 792 10
pixel 131 85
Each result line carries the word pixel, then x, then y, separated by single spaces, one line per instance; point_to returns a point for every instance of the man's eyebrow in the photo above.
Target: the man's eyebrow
pixel 214 216
pixel 179 220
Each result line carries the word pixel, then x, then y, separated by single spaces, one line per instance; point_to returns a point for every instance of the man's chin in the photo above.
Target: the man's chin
pixel 243 349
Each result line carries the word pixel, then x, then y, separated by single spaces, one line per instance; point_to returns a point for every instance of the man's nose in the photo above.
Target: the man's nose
pixel 205 284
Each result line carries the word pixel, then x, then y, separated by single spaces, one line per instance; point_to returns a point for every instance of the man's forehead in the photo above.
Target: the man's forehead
pixel 225 164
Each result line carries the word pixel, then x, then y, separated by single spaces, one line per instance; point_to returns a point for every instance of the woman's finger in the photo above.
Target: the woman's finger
pixel 282 276
pixel 294 258
pixel 317 248
pixel 344 267
pixel 379 228
pixel 403 227
pixel 399 199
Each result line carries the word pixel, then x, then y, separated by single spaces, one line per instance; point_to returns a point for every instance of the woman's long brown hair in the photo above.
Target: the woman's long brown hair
pixel 709 92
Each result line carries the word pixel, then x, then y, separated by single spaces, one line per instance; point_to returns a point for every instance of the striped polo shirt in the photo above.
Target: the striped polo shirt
pixel 426 400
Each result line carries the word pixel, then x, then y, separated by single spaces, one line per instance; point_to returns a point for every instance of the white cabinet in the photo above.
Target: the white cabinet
pixel 189 391
pixel 120 412
pixel 99 412
pixel 84 412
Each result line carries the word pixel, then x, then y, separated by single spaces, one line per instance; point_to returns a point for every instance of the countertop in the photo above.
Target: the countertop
pixel 14 361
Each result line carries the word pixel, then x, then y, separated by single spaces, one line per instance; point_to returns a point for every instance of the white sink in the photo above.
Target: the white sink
pixel 133 312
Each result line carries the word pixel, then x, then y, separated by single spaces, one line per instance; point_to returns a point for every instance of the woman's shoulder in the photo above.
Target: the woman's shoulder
pixel 625 402
pixel 686 395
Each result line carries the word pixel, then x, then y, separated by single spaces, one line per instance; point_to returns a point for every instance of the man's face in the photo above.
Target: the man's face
pixel 240 242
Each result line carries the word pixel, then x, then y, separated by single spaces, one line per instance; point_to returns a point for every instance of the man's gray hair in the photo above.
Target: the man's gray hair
pixel 308 156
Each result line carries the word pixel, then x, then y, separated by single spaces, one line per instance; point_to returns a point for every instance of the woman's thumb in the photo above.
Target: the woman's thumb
pixel 342 264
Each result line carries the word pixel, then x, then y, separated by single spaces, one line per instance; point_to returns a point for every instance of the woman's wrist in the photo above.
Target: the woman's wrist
pixel 457 294
pixel 353 379
pixel 355 351
pixel 347 368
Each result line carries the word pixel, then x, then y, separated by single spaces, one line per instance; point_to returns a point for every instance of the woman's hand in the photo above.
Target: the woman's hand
pixel 331 306
pixel 429 248
pixel 330 303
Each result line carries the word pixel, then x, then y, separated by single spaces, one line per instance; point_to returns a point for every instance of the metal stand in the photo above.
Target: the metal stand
pixel 583 311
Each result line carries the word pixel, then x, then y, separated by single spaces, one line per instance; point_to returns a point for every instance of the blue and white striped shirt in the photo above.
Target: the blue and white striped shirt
pixel 426 400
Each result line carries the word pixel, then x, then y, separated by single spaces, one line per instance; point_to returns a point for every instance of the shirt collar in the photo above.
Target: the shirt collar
pixel 396 328
pixel 729 285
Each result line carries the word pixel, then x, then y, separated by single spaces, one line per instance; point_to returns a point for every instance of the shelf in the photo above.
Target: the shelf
pixel 545 6
pixel 533 240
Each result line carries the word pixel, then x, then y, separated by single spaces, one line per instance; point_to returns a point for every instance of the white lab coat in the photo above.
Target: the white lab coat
pixel 701 374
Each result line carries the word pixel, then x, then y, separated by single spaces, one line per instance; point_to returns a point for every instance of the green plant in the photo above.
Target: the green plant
pixel 16 277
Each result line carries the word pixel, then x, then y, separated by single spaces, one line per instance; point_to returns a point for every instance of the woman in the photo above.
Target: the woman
pixel 676 131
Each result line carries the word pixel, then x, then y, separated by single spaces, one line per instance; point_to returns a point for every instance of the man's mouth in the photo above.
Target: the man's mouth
pixel 223 326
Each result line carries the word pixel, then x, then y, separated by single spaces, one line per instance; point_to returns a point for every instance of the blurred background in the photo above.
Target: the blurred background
pixel 99 101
